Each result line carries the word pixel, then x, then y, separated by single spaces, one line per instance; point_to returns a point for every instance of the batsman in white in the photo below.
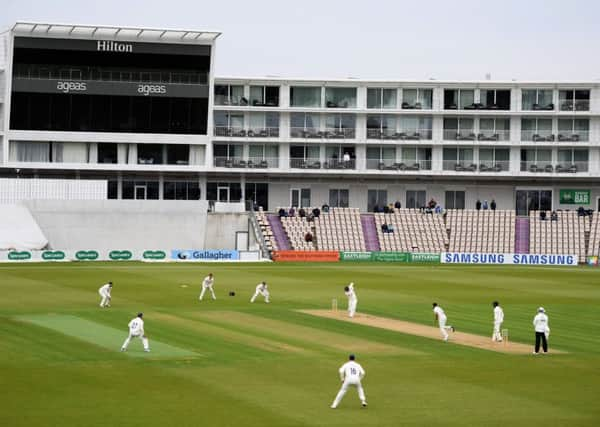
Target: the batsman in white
pixel 498 319
pixel 351 373
pixel 136 330
pixel 261 289
pixel 207 283
pixel 104 292
pixel 352 299
pixel 440 316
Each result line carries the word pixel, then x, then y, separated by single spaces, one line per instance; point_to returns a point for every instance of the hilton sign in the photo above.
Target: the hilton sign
pixel 111 46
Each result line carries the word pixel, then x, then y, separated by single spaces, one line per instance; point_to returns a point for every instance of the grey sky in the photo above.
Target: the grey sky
pixel 444 39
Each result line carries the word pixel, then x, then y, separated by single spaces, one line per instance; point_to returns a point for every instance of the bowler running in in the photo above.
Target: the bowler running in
pixel 207 283
pixel 498 319
pixel 440 316
pixel 351 373
pixel 261 289
pixel 352 299
pixel 105 296
pixel 136 330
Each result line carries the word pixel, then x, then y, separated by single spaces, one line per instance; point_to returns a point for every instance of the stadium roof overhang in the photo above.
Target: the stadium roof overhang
pixel 103 32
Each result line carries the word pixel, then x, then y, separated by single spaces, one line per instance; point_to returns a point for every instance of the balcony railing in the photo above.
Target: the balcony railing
pixel 538 107
pixel 408 135
pixel 573 136
pixel 537 135
pixel 79 73
pixel 497 166
pixel 416 106
pixel 305 163
pixel 314 163
pixel 250 163
pixel 459 166
pixel 240 132
pixel 574 105
pixel 328 133
pixel 231 100
pixel 493 135
pixel 548 167
pixel 402 165
pixel 463 135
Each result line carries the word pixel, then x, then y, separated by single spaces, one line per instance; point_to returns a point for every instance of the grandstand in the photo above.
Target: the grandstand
pixel 594 242
pixel 566 235
pixel 414 231
pixel 481 231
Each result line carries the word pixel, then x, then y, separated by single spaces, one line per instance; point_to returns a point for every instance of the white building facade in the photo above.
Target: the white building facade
pixel 182 134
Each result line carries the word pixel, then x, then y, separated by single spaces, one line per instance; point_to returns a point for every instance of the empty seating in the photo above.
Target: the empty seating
pixel 266 230
pixel 296 228
pixel 564 236
pixel 594 245
pixel 488 231
pixel 340 230
pixel 414 231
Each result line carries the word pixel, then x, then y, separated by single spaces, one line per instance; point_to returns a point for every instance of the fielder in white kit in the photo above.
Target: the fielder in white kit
pixel 261 289
pixel 352 299
pixel 498 319
pixel 104 292
pixel 440 316
pixel 207 283
pixel 136 330
pixel 351 373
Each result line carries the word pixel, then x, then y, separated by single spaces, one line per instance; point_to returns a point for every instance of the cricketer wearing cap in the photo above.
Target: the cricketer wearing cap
pixel 261 289
pixel 207 283
pixel 351 373
pixel 104 292
pixel 352 299
pixel 498 319
pixel 136 330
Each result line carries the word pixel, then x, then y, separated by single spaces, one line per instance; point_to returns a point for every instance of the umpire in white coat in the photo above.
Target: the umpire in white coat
pixel 540 324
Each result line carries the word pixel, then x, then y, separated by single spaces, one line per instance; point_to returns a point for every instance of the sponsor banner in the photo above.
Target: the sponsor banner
pixel 204 255
pixel 86 255
pixel 356 256
pixel 154 255
pixel 122 255
pixel 574 197
pixel 19 256
pixel 514 259
pixel 425 257
pixel 391 256
pixel 592 261
pixel 54 256
pixel 310 256
pixel 91 87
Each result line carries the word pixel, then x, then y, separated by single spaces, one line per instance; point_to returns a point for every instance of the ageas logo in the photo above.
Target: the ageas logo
pixel 152 89
pixel 66 87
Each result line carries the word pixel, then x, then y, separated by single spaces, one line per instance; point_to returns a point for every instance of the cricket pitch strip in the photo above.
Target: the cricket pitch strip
pixel 462 338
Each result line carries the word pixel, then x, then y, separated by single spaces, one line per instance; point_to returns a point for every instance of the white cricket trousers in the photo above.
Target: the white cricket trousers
pixel 496 335
pixel 344 389
pixel 105 299
pixel 142 337
pixel 352 307
pixel 263 293
pixel 204 288
pixel 444 327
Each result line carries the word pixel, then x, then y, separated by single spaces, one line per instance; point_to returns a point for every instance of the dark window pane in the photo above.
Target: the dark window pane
pixel 152 190
pixel 193 190
pixel 169 190
pixel 181 191
pixel 107 153
pixel 127 189
pixel 113 189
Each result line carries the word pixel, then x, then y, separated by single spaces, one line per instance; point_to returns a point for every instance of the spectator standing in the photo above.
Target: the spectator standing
pixel 301 213
pixel 316 212
pixel 543 215
pixel 553 216
pixel 478 204
pixel 397 205
pixel 493 205
pixel 485 205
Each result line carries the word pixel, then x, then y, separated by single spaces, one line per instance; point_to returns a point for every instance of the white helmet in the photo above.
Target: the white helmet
pixel 541 310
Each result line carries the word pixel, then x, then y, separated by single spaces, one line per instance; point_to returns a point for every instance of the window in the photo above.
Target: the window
pixel 340 126
pixel 494 129
pixel 107 153
pixel 572 160
pixel 534 160
pixel 574 100
pixel 381 157
pixel 264 96
pixel 573 129
pixel 264 125
pixel 415 199
pixel 417 99
pixel 494 159
pixel 381 127
pixel 339 198
pixel 305 156
pixel 263 156
pixel 381 98
pixel 340 157
pixel 416 127
pixel 112 189
pixel 536 99
pixel 230 95
pixel 458 159
pixel 536 130
pixel 460 129
pixel 528 200
pixel 305 125
pixel 227 155
pixel 150 154
pixel 340 97
pixel 258 193
pixel 376 199
pixel 459 99
pixel 454 200
pixel 229 124
pixel 303 96
pixel 300 197
pixel 178 154
pixel 181 190
pixel 224 191
pixel 416 158
pixel 495 99
pixel 139 190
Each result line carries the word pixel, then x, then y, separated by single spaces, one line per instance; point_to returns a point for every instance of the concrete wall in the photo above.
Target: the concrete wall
pixel 121 224
pixel 221 230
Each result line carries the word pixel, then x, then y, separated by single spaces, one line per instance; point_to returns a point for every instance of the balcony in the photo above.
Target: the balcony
pixel 493 135
pixel 412 106
pixel 240 132
pixel 328 133
pixel 403 165
pixel 573 136
pixel 454 135
pixel 548 167
pixel 537 135
pixel 307 163
pixel 409 135
pixel 250 163
pixel 498 166
pixel 540 107
pixel 459 166
pixel 575 105
pixel 315 163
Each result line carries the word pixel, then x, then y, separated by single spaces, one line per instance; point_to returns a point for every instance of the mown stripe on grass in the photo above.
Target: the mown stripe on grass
pixel 103 336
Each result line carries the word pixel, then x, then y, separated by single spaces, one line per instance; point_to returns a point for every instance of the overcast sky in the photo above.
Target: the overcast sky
pixel 418 39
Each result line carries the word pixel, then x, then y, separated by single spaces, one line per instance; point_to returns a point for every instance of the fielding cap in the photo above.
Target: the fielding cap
pixel 541 310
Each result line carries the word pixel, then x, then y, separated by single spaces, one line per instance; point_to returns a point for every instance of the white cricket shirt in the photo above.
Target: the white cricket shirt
pixel 351 371
pixel 136 326
pixel 540 322
pixel 498 314
pixel 208 282
pixel 440 313
pixel 105 289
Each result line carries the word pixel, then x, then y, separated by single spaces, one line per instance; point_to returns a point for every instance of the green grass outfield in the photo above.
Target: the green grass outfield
pixel 232 363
